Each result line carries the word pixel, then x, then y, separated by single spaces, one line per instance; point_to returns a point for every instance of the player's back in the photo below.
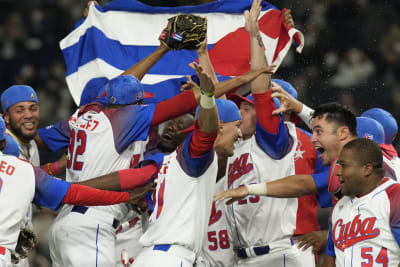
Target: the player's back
pixel 106 140
pixel 17 189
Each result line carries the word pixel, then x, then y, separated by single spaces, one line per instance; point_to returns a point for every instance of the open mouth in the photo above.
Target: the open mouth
pixel 320 149
pixel 166 137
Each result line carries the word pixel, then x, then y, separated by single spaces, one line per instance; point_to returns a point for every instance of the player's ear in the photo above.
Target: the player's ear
pixel 6 118
pixel 367 170
pixel 342 133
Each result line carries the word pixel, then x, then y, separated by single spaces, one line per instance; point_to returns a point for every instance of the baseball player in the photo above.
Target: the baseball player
pixel 268 148
pixel 22 183
pixel 364 229
pixel 178 224
pixel 21 114
pixel 390 127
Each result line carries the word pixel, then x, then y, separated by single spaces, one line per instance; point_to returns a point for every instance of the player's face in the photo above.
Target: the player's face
pixel 325 140
pixel 249 119
pixel 349 173
pixel 23 120
pixel 172 135
pixel 227 137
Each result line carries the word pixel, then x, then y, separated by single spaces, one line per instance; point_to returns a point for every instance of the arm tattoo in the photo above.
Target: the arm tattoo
pixel 260 43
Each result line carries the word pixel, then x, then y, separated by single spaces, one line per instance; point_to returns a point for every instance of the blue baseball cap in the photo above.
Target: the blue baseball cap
pixel 227 112
pixel 125 90
pixel 386 120
pixel 370 129
pixel 285 86
pixel 2 128
pixel 94 89
pixel 16 94
pixel 12 147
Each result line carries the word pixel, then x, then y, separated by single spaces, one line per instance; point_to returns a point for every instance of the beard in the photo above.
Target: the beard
pixel 20 134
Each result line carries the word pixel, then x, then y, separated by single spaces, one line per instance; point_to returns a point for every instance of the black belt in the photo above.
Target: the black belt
pixel 262 250
pixel 83 209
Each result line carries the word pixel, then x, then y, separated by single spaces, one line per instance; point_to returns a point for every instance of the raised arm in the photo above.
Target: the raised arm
pixel 142 67
pixel 257 60
pixel 205 62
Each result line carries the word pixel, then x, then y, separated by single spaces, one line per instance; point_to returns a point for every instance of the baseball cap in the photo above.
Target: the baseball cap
pixel 387 121
pixel 94 89
pixel 285 86
pixel 125 90
pixel 370 129
pixel 16 94
pixel 12 147
pixel 227 112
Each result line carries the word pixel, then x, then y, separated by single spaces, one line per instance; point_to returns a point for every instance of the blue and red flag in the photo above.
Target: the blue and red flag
pixel 115 37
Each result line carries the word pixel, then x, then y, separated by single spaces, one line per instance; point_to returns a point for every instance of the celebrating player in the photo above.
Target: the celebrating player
pixel 193 167
pixel 365 223
pixel 22 183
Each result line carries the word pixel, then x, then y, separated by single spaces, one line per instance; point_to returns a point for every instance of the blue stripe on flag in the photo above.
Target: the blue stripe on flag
pixel 223 6
pixel 116 54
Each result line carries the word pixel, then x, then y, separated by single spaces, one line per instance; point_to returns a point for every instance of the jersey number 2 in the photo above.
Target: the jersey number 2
pixel 77 146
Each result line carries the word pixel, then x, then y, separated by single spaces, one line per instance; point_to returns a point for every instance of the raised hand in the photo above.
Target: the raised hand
pixel 233 194
pixel 251 18
pixel 206 83
pixel 287 102
pixel 287 17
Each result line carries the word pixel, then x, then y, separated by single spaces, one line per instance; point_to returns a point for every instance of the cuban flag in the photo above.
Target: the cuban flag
pixel 114 37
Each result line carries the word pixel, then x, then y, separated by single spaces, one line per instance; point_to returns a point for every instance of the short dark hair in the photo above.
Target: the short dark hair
pixel 366 151
pixel 338 114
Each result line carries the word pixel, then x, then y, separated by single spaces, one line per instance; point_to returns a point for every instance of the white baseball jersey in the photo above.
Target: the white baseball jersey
pixel 182 202
pixel 365 231
pixel 18 182
pixel 217 249
pixel 103 141
pixel 392 166
pixel 255 220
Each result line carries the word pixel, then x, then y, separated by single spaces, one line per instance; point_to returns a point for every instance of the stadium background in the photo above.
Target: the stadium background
pixel 351 55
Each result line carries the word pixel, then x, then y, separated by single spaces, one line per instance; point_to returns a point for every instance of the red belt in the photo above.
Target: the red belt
pixel 2 250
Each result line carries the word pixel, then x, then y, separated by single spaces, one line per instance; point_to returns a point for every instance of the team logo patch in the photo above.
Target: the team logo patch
pixel 353 232
pixel 32 96
pixel 176 36
pixel 369 136
pixel 138 96
pixel 113 100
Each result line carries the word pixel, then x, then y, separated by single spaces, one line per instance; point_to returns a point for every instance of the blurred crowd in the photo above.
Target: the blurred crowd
pixel 351 54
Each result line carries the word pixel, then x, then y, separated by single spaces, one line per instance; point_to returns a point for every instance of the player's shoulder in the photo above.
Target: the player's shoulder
pixel 9 161
pixel 393 189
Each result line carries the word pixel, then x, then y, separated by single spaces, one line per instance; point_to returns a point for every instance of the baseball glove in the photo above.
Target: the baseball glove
pixel 26 242
pixel 184 31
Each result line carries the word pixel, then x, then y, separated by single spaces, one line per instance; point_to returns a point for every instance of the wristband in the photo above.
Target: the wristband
pixel 257 189
pixel 306 115
pixel 207 102
pixel 49 170
pixel 209 94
